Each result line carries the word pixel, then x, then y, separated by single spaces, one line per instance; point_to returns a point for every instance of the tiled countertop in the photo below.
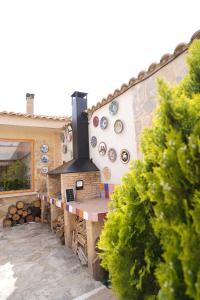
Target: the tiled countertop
pixel 92 210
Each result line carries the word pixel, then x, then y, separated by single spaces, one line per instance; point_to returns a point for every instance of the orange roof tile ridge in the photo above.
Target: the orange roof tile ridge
pixel 153 68
pixel 55 118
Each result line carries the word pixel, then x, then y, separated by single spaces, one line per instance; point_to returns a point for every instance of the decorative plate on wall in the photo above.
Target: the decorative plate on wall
pixel 124 156
pixel 118 126
pixel 62 137
pixel 113 107
pixel 44 159
pixel 112 154
pixel 69 136
pixel 44 170
pixel 102 149
pixel 44 148
pixel 68 128
pixel 106 173
pixel 64 148
pixel 95 121
pixel 104 123
pixel 93 141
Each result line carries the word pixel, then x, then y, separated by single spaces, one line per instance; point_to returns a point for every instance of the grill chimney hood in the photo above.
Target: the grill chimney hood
pixel 81 161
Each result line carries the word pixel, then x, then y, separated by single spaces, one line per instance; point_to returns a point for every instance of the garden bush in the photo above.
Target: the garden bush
pixel 151 240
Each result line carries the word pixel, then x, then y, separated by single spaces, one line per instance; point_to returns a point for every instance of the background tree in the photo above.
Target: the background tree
pixel 14 178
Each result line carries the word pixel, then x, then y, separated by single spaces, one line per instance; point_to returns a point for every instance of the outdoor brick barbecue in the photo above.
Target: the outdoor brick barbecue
pixel 75 188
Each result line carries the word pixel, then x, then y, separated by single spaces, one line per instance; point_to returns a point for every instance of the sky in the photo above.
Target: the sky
pixel 52 48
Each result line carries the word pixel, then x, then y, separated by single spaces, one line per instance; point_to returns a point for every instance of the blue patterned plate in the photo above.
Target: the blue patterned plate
pixel 93 141
pixel 113 107
pixel 104 123
pixel 44 148
pixel 44 159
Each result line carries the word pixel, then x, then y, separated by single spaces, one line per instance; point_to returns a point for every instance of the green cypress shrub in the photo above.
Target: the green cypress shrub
pixel 130 248
pixel 151 240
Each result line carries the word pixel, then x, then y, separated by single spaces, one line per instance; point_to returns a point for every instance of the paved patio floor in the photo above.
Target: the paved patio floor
pixel 35 266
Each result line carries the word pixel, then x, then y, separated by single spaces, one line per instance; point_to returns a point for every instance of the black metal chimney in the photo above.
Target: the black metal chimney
pixel 81 161
pixel 80 125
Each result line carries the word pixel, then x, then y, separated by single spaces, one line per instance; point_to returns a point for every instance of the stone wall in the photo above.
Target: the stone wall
pixel 145 97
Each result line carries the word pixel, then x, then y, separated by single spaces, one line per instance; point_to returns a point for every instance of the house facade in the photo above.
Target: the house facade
pixel 34 142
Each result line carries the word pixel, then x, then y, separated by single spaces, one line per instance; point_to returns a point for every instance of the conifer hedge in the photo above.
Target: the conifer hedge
pixel 151 240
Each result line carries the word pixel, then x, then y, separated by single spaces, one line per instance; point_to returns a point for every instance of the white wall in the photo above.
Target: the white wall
pixel 124 140
pixel 135 110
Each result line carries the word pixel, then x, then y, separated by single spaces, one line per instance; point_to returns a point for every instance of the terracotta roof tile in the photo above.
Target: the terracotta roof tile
pixel 153 68
pixel 40 117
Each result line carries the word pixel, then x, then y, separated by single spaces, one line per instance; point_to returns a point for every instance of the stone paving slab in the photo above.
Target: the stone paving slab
pixel 104 294
pixel 101 293
pixel 35 266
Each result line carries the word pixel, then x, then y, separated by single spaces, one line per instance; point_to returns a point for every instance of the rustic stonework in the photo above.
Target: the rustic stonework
pixel 146 98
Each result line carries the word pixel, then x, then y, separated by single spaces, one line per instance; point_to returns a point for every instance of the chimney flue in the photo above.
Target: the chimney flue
pixel 81 161
pixel 30 104
pixel 80 125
